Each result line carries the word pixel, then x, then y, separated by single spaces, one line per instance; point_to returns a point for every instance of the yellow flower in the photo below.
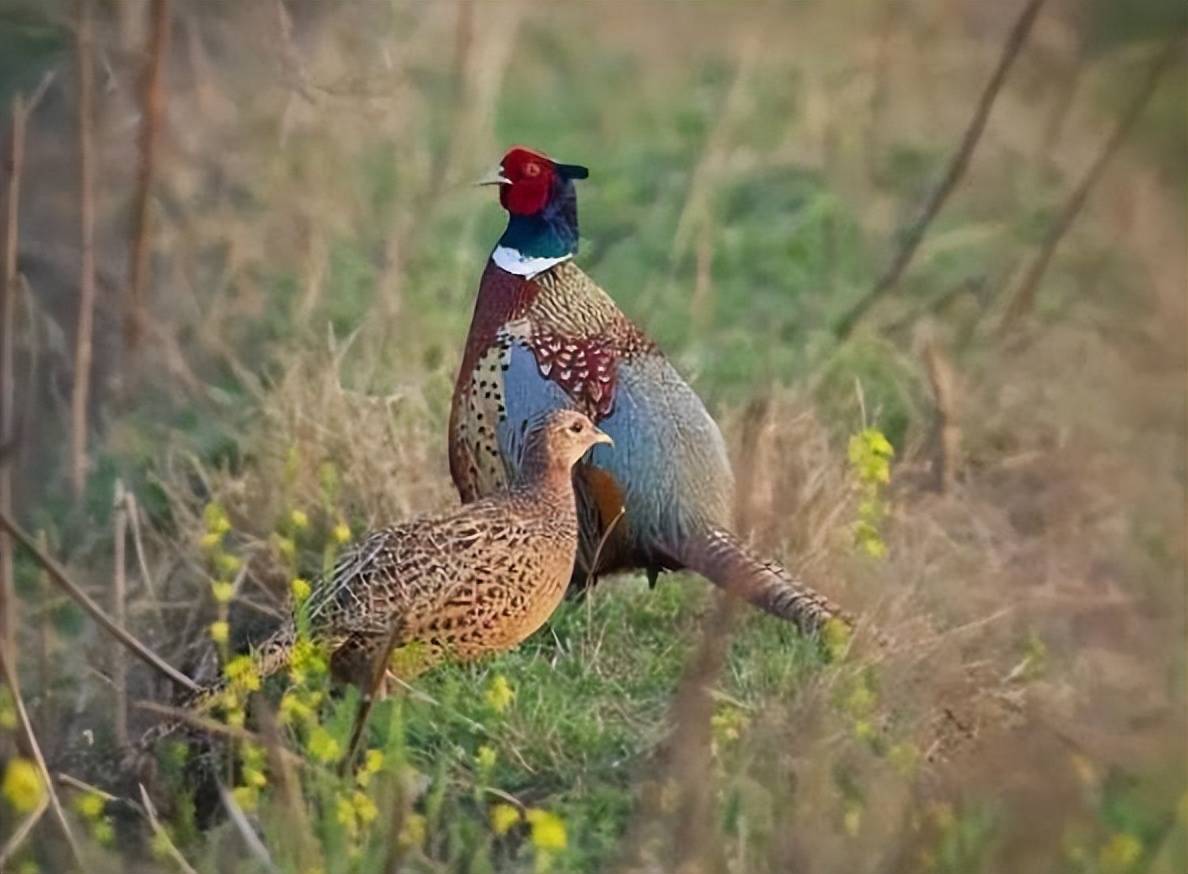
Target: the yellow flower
pixel 300 589
pixel 223 591
pixel 499 694
pixel 299 520
pixel 210 540
pixel 1120 853
pixel 285 546
pixel 836 637
pixel 870 455
pixel 220 631
pixel 296 707
pixel 306 660
pixel 861 699
pixel 90 805
pixel 214 519
pixel 341 532
pixel 485 758
pixel 372 762
pixel 365 808
pixel 548 829
pixel 246 797
pixel 241 673
pixel 22 785
pixel 103 832
pixel 503 817
pixel 226 563
pixel 255 778
pixel 322 745
pixel 412 832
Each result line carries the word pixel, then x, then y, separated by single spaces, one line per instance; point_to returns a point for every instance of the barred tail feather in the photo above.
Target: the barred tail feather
pixel 722 558
pixel 269 658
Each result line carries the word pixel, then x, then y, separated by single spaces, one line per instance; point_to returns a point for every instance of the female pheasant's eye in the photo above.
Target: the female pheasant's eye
pixel 576 427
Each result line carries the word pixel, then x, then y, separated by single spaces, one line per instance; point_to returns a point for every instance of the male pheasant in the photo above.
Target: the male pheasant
pixel 475 581
pixel 545 336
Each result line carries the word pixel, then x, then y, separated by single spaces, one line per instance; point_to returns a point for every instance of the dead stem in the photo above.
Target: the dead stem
pixel 10 677
pixel 59 576
pixel 912 238
pixel 14 169
pixel 1024 295
pixel 153 96
pixel 79 398
pixel 119 599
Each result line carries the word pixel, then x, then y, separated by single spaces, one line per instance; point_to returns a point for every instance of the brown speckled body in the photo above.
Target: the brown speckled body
pixel 461 585
pixel 578 336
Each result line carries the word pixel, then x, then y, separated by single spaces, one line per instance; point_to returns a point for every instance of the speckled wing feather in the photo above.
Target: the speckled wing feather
pixel 558 339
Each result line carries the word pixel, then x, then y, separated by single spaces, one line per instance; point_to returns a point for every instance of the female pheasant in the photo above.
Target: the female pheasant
pixel 545 336
pixel 474 581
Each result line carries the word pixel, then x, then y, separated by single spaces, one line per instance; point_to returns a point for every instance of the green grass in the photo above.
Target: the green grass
pixel 809 765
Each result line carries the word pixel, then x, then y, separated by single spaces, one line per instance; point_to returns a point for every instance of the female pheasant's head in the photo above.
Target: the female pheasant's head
pixel 555 441
pixel 539 196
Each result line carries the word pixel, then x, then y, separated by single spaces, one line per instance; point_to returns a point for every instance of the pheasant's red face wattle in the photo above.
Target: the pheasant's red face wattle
pixel 529 178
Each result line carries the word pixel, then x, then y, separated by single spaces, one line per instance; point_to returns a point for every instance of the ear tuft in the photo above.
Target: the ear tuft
pixel 573 171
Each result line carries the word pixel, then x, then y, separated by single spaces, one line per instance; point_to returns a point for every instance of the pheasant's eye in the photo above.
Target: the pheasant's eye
pixel 531 170
pixel 576 427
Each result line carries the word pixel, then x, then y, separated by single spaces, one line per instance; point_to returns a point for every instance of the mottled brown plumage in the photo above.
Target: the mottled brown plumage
pixel 461 585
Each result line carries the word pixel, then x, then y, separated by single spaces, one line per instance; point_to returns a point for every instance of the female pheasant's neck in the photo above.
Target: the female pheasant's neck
pixel 532 244
pixel 545 479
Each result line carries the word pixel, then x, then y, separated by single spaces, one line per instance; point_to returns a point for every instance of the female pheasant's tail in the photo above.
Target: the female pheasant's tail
pixel 721 557
pixel 268 658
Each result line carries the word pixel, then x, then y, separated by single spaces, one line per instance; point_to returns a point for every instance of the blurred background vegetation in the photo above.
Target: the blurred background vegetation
pixel 294 180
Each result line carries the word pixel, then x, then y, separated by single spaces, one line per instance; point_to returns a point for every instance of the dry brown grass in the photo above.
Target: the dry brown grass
pixel 1036 607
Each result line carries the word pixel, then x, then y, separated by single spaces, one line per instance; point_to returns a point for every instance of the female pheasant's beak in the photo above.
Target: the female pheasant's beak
pixel 601 436
pixel 495 177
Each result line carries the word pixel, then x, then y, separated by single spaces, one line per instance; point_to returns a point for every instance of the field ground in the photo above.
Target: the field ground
pixel 315 249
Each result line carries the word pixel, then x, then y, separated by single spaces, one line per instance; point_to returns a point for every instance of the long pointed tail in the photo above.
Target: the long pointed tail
pixel 268 658
pixel 721 557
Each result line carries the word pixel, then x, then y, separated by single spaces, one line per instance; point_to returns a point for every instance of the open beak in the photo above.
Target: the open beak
pixel 495 177
pixel 602 437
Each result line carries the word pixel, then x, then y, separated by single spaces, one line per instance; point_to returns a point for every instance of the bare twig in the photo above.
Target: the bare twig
pixel 22 831
pixel 953 173
pixel 162 835
pixel 250 839
pixel 214 727
pixel 10 677
pixel 14 168
pixel 83 786
pixel 947 434
pixel 7 382
pixel 59 576
pixel 1024 295
pixel 133 510
pixel 119 596
pixel 305 849
pixel 79 399
pixel 153 97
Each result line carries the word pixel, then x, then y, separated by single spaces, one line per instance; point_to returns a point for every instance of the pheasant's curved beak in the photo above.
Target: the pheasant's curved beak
pixel 495 177
pixel 602 437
